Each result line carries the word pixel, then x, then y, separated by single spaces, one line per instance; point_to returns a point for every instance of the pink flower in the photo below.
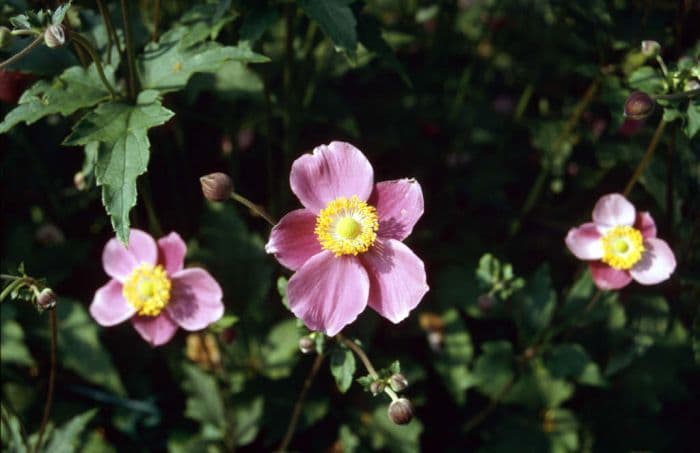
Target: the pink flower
pixel 620 245
pixel 345 245
pixel 150 287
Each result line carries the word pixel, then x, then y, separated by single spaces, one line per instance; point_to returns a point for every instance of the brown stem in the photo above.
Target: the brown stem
pixel 647 157
pixel 294 419
pixel 156 19
pixel 39 39
pixel 253 207
pixel 129 51
pixel 360 353
pixel 52 379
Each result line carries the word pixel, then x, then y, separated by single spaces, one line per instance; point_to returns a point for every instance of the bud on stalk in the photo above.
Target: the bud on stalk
pixel 55 36
pixel 46 299
pixel 401 411
pixel 216 186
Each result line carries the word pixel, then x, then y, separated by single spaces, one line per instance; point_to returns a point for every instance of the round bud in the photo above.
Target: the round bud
pixel 401 411
pixel 639 105
pixel 6 37
pixel 398 382
pixel 216 186
pixel 376 387
pixel 650 48
pixel 307 344
pixel 55 36
pixel 46 299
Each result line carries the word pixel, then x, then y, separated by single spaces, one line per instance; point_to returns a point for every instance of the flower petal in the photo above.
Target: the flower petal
pixel 109 306
pixel 335 170
pixel 172 250
pixel 614 210
pixel 657 264
pixel 399 205
pixel 584 242
pixel 328 292
pixel 195 299
pixel 645 224
pixel 293 240
pixel 396 278
pixel 118 261
pixel 606 277
pixel 156 330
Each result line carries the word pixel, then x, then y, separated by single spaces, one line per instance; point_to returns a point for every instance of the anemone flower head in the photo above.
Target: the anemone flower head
pixel 621 245
pixel 150 287
pixel 345 245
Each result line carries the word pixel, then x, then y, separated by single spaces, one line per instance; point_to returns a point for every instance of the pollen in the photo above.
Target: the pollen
pixel 147 289
pixel 347 226
pixel 623 247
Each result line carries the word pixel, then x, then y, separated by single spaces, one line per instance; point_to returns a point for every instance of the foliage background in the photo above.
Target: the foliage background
pixel 510 115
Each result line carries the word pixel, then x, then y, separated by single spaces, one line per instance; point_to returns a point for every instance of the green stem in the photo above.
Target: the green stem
pixel 664 69
pixel 153 223
pixel 360 353
pixel 85 44
pixel 38 40
pixel 677 96
pixel 133 82
pixel 112 38
pixel 52 380
pixel 647 157
pixel 253 207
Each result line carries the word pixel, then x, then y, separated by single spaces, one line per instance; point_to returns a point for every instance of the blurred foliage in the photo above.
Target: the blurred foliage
pixel 510 115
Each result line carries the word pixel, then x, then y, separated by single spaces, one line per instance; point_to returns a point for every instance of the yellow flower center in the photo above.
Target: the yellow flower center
pixel 147 289
pixel 347 226
pixel 622 247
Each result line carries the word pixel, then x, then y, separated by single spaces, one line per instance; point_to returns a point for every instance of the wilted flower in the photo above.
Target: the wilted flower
pixel 345 245
pixel 150 287
pixel 620 245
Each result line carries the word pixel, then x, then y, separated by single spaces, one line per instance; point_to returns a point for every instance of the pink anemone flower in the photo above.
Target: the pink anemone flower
pixel 345 244
pixel 620 245
pixel 150 287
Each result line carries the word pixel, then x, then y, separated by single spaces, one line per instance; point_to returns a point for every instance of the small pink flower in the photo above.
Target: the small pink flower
pixel 345 245
pixel 620 245
pixel 150 287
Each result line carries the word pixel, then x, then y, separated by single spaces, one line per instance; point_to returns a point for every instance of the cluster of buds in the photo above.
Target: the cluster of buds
pixel 400 410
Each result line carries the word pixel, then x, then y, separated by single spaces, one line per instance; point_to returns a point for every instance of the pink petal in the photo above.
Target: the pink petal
pixel 613 210
pixel 584 242
pixel 657 263
pixel 172 250
pixel 606 277
pixel 336 170
pixel 109 306
pixel 118 261
pixel 195 299
pixel 396 277
pixel 399 205
pixel 293 240
pixel 645 223
pixel 328 292
pixel 156 330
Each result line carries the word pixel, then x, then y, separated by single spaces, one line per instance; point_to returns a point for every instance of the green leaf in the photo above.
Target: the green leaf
pixel 647 79
pixel 204 402
pixel 452 363
pixel 12 343
pixel 256 21
pixel 13 440
pixel 206 21
pixel 536 303
pixel 369 34
pixel 571 361
pixel 696 336
pixel 80 349
pixel 65 438
pixel 493 370
pixel 348 440
pixel 247 416
pixel 282 290
pixel 124 151
pixel 342 367
pixel 280 351
pixel 59 14
pixel 693 125
pixel 167 65
pixel 336 19
pixel 537 388
pixel 74 89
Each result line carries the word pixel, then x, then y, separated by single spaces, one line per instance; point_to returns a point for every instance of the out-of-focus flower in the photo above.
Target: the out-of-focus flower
pixel 204 353
pixel 150 287
pixel 620 245
pixel 345 244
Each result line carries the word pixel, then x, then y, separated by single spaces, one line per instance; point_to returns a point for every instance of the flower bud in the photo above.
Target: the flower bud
pixel 46 299
pixel 639 105
pixel 398 382
pixel 216 186
pixel 6 37
pixel 401 411
pixel 650 48
pixel 376 387
pixel 55 36
pixel 307 344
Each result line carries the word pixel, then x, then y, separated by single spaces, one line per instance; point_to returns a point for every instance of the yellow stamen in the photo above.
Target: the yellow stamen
pixel 622 247
pixel 347 226
pixel 147 289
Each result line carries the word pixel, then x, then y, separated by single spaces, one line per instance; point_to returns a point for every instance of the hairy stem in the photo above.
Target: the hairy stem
pixel 646 158
pixel 52 380
pixel 38 40
pixel 253 207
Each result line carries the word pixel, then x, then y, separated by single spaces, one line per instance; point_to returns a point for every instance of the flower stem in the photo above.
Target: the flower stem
pixel 145 192
pixel 112 38
pixel 85 44
pixel 129 51
pixel 259 211
pixel 156 19
pixel 52 379
pixel 677 96
pixel 294 419
pixel 38 40
pixel 646 158
pixel 360 353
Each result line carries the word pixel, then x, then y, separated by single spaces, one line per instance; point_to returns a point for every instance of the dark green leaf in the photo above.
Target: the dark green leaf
pixel 452 362
pixel 65 438
pixel 335 19
pixel 696 336
pixel 536 388
pixel 536 303
pixel 282 290
pixel 647 79
pixel 343 368
pixel 204 402
pixel 12 343
pixel 247 416
pixel 369 34
pixel 280 352
pixel 256 21
pixel 571 361
pixel 693 125
pixel 493 370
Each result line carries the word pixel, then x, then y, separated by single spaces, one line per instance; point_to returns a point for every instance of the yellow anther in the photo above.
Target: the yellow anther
pixel 347 226
pixel 147 289
pixel 622 247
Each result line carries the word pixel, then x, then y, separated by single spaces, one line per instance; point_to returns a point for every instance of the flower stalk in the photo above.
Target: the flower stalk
pixel 31 46
pixel 85 44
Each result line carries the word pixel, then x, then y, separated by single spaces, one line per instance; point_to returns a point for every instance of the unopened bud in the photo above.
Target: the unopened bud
pixel 307 344
pixel 376 387
pixel 216 186
pixel 401 411
pixel 639 105
pixel 79 181
pixel 650 48
pixel 6 37
pixel 46 299
pixel 55 36
pixel 398 382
